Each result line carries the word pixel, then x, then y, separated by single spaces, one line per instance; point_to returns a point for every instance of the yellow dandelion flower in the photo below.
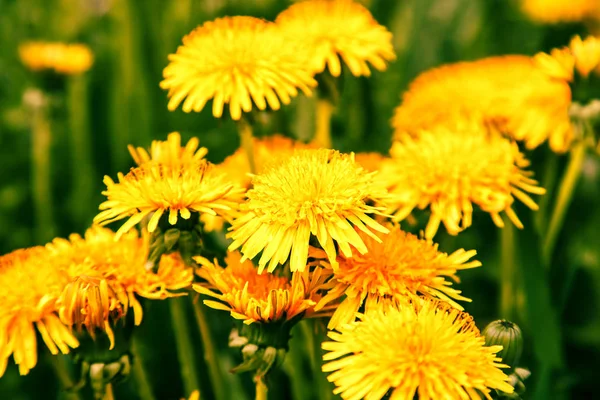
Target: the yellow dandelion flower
pixel 370 160
pixel 334 29
pixel 322 193
pixel 265 150
pixel 155 189
pixel 253 297
pixel 451 171
pixel 61 58
pixel 170 152
pixel 238 61
pixel 123 264
pixel 559 64
pixel 425 350
pixel 512 93
pixel 31 286
pixel 554 11
pixel 586 53
pixel 399 266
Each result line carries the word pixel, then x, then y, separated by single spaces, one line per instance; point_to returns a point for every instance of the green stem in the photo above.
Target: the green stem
pixel 41 174
pixel 64 377
pixel 82 175
pixel 210 356
pixel 185 349
pixel 540 216
pixel 324 112
pixel 247 142
pixel 565 194
pixel 313 344
pixel 261 389
pixel 144 387
pixel 508 275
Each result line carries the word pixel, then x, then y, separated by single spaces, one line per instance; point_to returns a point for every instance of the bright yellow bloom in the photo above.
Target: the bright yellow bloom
pixel 170 152
pixel 253 297
pixel 426 350
pixel 265 150
pixel 61 58
pixel 559 64
pixel 155 189
pixel 116 272
pixel 451 171
pixel 586 53
pixel 398 267
pixel 370 160
pixel 313 192
pixel 237 61
pixel 31 286
pixel 334 29
pixel 554 11
pixel 512 93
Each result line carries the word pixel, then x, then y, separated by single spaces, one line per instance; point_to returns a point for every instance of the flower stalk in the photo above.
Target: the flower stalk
pixel 247 142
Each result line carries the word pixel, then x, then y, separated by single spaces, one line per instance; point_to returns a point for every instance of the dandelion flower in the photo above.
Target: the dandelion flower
pixel 512 93
pixel 586 53
pixel 238 61
pixel 62 58
pixel 314 192
pixel 170 152
pixel 154 189
pixel 31 286
pixel 451 171
pixel 265 150
pixel 253 297
pixel 334 29
pixel 370 160
pixel 419 350
pixel 399 266
pixel 554 11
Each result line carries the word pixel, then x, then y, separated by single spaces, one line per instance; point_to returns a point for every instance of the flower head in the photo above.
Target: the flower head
pixel 170 152
pixel 61 58
pixel 512 93
pixel 334 29
pixel 398 267
pixel 253 297
pixel 31 286
pixel 586 53
pixel 421 349
pixel 155 189
pixel 554 11
pixel 451 171
pixel 314 192
pixel 238 61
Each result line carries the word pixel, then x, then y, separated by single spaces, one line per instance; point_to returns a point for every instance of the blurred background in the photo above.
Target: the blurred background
pixel 92 117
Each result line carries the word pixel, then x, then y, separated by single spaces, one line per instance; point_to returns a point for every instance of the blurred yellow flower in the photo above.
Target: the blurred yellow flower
pixel 512 93
pixel 253 297
pixel 153 189
pixel 420 350
pixel 238 61
pixel 110 274
pixel 370 160
pixel 398 267
pixel 31 286
pixel 559 64
pixel 61 58
pixel 452 170
pixel 586 53
pixel 554 11
pixel 322 193
pixel 334 29
pixel 265 150
pixel 169 152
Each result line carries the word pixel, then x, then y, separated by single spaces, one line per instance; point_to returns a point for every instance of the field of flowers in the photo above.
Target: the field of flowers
pixel 317 199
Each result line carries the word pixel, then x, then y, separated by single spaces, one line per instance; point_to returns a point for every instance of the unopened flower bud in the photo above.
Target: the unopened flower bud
pixel 508 335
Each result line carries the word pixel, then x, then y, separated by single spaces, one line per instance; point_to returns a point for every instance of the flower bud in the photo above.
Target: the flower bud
pixel 508 335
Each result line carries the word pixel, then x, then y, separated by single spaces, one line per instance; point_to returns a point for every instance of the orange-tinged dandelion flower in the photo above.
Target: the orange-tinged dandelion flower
pixel 554 11
pixel 398 267
pixel 370 161
pixel 61 58
pixel 338 29
pixel 170 152
pixel 31 286
pixel 425 350
pixel 265 150
pixel 451 171
pixel 512 93
pixel 240 61
pixel 153 189
pixel 253 297
pixel 322 193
